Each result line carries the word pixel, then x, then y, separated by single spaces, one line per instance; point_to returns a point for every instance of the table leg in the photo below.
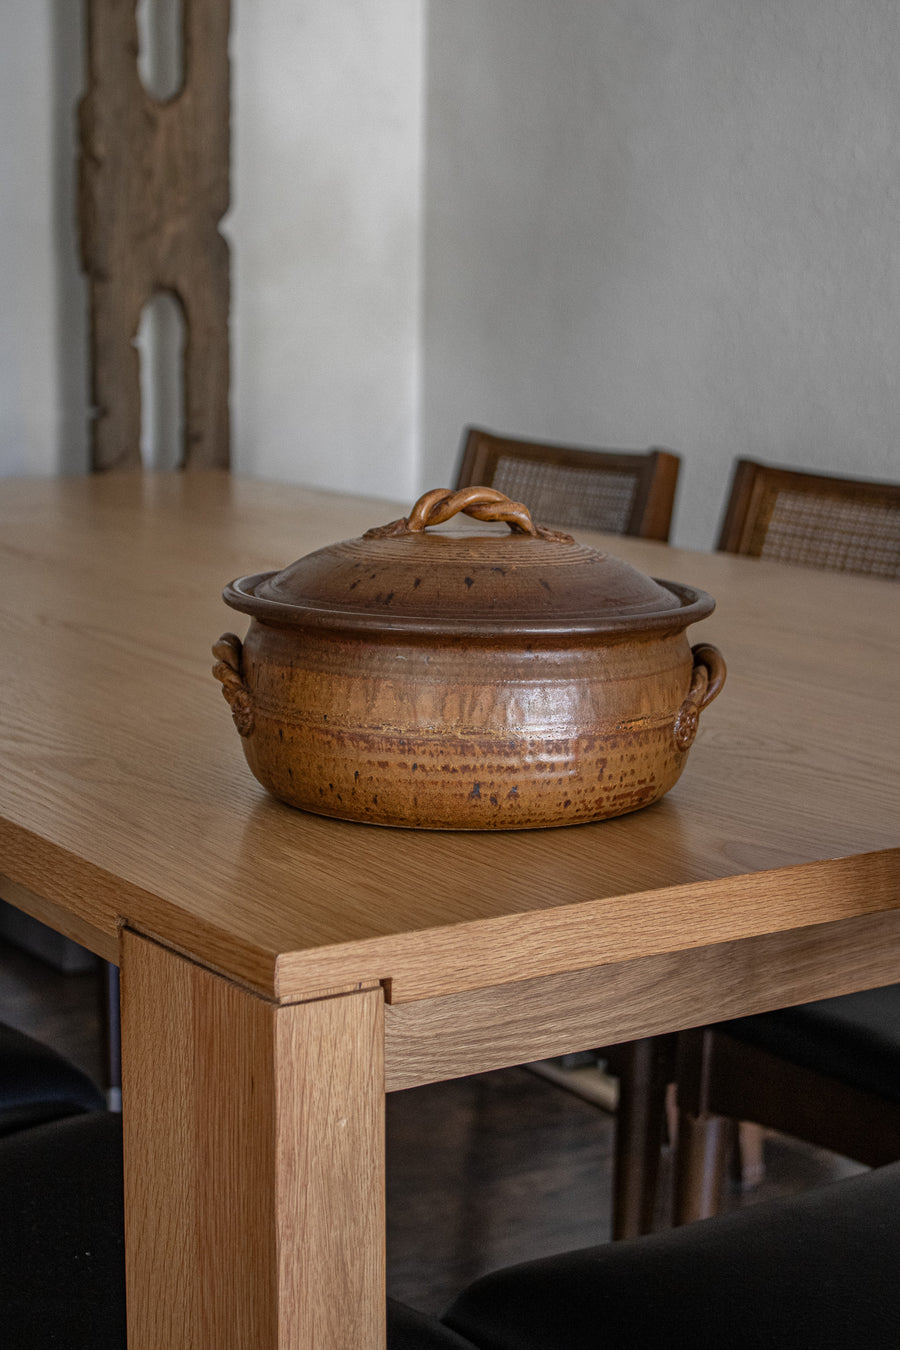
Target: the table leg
pixel 254 1162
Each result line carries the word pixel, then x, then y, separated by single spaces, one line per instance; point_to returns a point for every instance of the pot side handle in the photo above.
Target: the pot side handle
pixel 482 503
pixel 228 669
pixel 706 683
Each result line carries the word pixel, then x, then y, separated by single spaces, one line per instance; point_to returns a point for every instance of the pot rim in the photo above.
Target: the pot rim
pixel 240 595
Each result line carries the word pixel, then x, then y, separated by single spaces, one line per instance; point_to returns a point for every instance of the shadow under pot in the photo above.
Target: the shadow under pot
pixel 495 677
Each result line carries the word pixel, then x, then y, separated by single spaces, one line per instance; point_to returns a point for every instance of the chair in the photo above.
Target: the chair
pixel 62 1247
pixel 843 524
pixel 54 1169
pixel 829 1071
pixel 613 491
pixel 818 1269
pixel 37 1084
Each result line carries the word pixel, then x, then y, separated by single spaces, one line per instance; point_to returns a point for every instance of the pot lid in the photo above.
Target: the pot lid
pixel 506 574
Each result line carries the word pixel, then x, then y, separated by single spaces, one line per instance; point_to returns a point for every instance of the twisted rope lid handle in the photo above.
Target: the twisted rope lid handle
pixel 482 503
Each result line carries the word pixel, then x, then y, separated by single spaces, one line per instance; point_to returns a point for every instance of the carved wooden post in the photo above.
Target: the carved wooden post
pixel 154 186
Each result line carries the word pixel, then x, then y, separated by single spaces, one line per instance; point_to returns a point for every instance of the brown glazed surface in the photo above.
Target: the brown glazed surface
pixel 460 682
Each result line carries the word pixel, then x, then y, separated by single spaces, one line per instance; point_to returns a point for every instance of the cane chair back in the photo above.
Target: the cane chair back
pixel 815 520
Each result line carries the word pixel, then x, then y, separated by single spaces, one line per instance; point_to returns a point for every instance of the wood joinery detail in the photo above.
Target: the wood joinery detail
pixel 254 1162
pixel 457 1034
pixel 154 184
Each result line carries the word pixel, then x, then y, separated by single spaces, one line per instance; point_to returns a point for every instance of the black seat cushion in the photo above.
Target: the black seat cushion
pixel 819 1270
pixel 37 1084
pixel 855 1038
pixel 62 1263
pixel 411 1330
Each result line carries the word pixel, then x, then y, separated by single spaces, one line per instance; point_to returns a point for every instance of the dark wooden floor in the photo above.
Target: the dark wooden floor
pixel 482 1171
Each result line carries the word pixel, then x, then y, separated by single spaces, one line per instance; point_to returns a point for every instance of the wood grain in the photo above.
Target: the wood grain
pixel 623 927
pixel 438 1038
pixel 61 917
pixel 154 184
pixel 254 1148
pixel 125 795
pixel 254 1214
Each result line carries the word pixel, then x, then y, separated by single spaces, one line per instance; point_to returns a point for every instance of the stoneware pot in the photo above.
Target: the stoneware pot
pixel 495 678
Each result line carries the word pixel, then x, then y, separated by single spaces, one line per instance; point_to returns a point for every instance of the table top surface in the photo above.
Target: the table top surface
pixel 125 797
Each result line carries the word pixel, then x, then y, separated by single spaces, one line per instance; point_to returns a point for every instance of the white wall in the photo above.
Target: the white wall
pixel 632 222
pixel 326 231
pixel 43 389
pixel 666 223
pixel 27 359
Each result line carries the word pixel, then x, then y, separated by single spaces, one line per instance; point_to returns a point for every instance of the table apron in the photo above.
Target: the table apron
pixel 457 1034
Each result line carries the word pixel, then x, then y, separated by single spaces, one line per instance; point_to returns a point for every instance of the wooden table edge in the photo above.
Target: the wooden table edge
pixel 88 904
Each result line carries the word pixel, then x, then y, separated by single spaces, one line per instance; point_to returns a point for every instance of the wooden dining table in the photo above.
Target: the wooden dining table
pixel 281 971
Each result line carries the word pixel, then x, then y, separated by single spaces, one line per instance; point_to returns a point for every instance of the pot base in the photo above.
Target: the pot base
pixel 447 783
